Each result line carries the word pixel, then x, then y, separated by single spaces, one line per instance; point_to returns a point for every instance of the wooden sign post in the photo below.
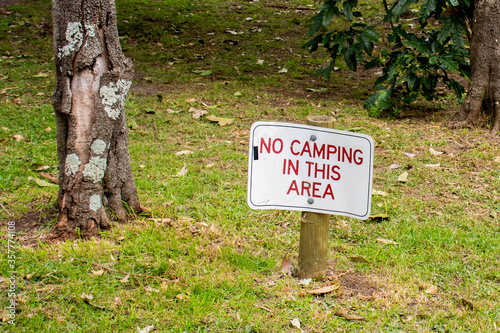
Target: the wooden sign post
pixel 315 169
pixel 314 229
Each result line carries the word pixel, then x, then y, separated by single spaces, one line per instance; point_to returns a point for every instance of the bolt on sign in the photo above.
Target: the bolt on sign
pixel 308 168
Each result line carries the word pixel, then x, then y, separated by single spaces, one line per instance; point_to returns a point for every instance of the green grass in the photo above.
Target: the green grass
pixel 205 262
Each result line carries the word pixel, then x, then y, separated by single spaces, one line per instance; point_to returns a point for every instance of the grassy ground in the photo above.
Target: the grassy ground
pixel 205 261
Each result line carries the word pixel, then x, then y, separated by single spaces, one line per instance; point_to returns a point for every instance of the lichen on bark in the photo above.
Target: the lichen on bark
pixel 92 81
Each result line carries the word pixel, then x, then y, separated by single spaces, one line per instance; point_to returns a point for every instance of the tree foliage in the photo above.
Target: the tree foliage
pixel 411 63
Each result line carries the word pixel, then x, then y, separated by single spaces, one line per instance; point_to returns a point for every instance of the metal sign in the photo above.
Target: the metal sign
pixel 308 168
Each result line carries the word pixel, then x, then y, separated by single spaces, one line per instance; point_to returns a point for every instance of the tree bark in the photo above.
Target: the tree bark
pixel 92 81
pixel 484 85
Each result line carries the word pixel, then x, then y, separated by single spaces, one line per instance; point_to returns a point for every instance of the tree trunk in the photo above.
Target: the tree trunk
pixel 92 81
pixel 484 85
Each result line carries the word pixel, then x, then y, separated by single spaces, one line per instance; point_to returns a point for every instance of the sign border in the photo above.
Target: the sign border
pixel 309 208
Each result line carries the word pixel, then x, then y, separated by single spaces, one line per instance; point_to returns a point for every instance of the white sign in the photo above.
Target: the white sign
pixel 308 168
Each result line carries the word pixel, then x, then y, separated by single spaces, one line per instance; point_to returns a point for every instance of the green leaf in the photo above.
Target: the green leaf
pixel 330 10
pixel 400 8
pixel 378 102
pixel 313 43
pixel 365 43
pixel 453 27
pixel 347 6
pixel 373 63
pixel 318 24
pixel 220 120
pixel 43 183
pixel 417 44
pixel 428 6
pixel 370 101
pixel 203 73
pixel 350 57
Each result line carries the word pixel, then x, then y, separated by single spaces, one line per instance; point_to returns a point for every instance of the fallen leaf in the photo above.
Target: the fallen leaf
pixel 28 276
pixel 86 297
pixel 260 62
pixel 432 290
pixel 410 155
pixel 118 301
pixel 432 166
pixel 379 217
pixel 203 73
pixel 435 152
pixel 181 296
pixel 382 193
pixel 283 71
pixel 146 329
pixel 345 314
pixel 237 94
pixel 149 289
pixel 197 113
pixel 191 100
pixel 49 177
pixel 323 290
pixel 48 129
pixel 18 137
pixel 387 241
pixel 4 315
pixel 7 129
pixel 295 322
pixel 403 178
pixel 183 171
pixel 132 124
pixel 221 121
pixel 183 152
pixel 468 305
pixel 172 111
pixel 43 183
pixel 286 266
pixel 99 272
pixel 321 90
pixel 41 75
pixel 125 278
pixel 305 282
pixel 210 165
pixel 358 259
pixel 394 166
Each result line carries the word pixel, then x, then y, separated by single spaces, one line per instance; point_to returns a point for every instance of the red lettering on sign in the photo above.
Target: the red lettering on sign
pixel 319 152
pixel 293 187
pixel 306 189
pixel 276 145
pixel 328 191
pixel 358 160
pixel 277 151
pixel 291 167
pixel 291 147
pixel 316 190
pixel 306 186
pixel 305 149
pixel 336 175
pixel 346 154
pixel 266 147
pixel 330 150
